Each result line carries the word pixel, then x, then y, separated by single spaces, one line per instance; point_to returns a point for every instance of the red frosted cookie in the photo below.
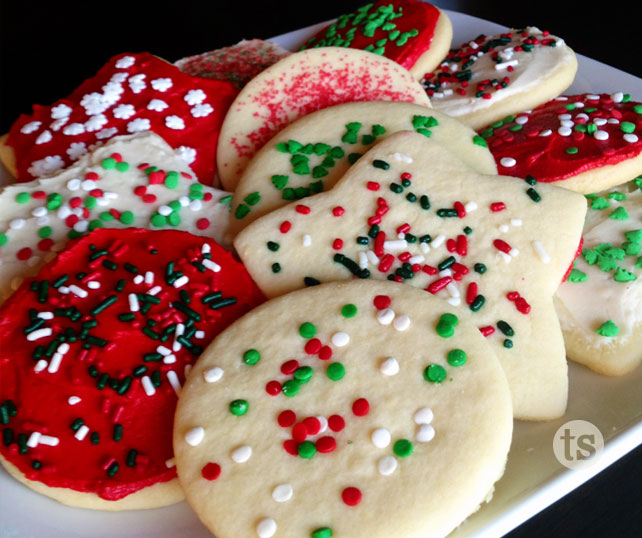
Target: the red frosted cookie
pixel 238 63
pixel 415 34
pixel 102 340
pixel 131 93
pixel 586 143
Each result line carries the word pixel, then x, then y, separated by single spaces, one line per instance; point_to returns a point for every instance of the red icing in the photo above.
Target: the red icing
pixel 200 133
pixel 41 398
pixel 415 15
pixel 545 157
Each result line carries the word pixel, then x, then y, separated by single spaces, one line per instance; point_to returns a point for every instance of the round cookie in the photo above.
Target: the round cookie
pixel 600 304
pixel 101 342
pixel 299 84
pixel 311 154
pixel 237 64
pixel 132 180
pixel 409 211
pixel 491 77
pixel 324 405
pixel 131 93
pixel 415 34
pixel 586 143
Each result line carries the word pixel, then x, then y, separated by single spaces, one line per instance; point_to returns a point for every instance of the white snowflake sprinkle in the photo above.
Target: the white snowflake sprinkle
pixel 57 124
pixel 157 104
pixel 95 123
pixel 137 83
pixel 106 133
pixel 46 166
pixel 125 62
pixel 138 125
pixel 94 103
pixel 74 129
pixel 76 150
pixel 195 97
pixel 124 111
pixel 44 137
pixel 30 127
pixel 186 153
pixel 60 111
pixel 200 111
pixel 162 84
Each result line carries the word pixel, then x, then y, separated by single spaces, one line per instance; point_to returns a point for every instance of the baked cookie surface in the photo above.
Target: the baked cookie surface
pixel 302 83
pixel 101 341
pixel 332 406
pixel 411 212
pixel 311 154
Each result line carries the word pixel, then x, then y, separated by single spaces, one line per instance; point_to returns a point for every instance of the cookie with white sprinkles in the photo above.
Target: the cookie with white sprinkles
pixel 410 211
pixel 600 305
pixel 101 342
pixel 312 154
pixel 491 77
pixel 132 180
pixel 307 416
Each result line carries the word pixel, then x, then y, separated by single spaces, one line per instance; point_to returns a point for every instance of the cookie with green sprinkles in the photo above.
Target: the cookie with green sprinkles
pixel 600 309
pixel 415 34
pixel 587 143
pixel 312 153
pixel 409 211
pixel 102 339
pixel 130 181
pixel 302 83
pixel 491 77
pixel 326 460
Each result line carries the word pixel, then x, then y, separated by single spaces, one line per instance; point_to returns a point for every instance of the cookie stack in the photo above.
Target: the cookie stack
pixel 203 269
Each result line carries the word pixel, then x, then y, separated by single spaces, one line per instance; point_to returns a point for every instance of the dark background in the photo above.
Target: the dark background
pixel 48 48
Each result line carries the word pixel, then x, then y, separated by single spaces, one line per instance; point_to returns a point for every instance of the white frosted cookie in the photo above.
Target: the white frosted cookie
pixel 410 211
pixel 322 414
pixel 600 305
pixel 302 83
pixel 133 180
pixel 491 77
pixel 311 154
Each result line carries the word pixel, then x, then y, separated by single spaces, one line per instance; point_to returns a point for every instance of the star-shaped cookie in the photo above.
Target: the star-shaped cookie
pixel 409 211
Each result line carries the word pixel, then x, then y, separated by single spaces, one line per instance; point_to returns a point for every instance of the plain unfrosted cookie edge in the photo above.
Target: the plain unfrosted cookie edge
pixel 8 156
pixel 439 47
pixel 156 496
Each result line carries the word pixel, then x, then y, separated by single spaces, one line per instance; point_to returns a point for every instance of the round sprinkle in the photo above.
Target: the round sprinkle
pixel 23 197
pixel 242 454
pixel 282 493
pixel 321 532
pixel 213 374
pixel 386 316
pixel 194 436
pixel 387 465
pixel 423 416
pixel 286 418
pixel 401 323
pixel 507 162
pixel 239 407
pixel 251 357
pixel 340 339
pixel 381 301
pixel 446 325
pixel 307 449
pixel 351 496
pixel 349 310
pixel 303 374
pixel 211 471
pixel 390 366
pixel 380 437
pixel 266 528
pixel 336 371
pixel 291 387
pixel 307 330
pixel 361 407
pixel 426 433
pixel 434 373
pixel 456 357
pixel 336 423
pixel 402 448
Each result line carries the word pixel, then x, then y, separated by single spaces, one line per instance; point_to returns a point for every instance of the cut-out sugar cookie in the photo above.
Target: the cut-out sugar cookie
pixel 409 211
pixel 320 408
pixel 312 154
pixel 302 83
pixel 586 143
pixel 238 63
pixel 415 34
pixel 131 93
pixel 132 180
pixel 101 342
pixel 600 304
pixel 491 77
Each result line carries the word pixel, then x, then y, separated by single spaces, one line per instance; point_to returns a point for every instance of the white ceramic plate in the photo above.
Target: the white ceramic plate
pixel 533 479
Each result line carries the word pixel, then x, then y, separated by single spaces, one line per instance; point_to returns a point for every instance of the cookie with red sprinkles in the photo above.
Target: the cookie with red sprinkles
pixel 586 143
pixel 102 340
pixel 299 84
pixel 415 34
pixel 132 180
pixel 237 63
pixel 131 93
pixel 409 211
pixel 349 409
pixel 490 77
